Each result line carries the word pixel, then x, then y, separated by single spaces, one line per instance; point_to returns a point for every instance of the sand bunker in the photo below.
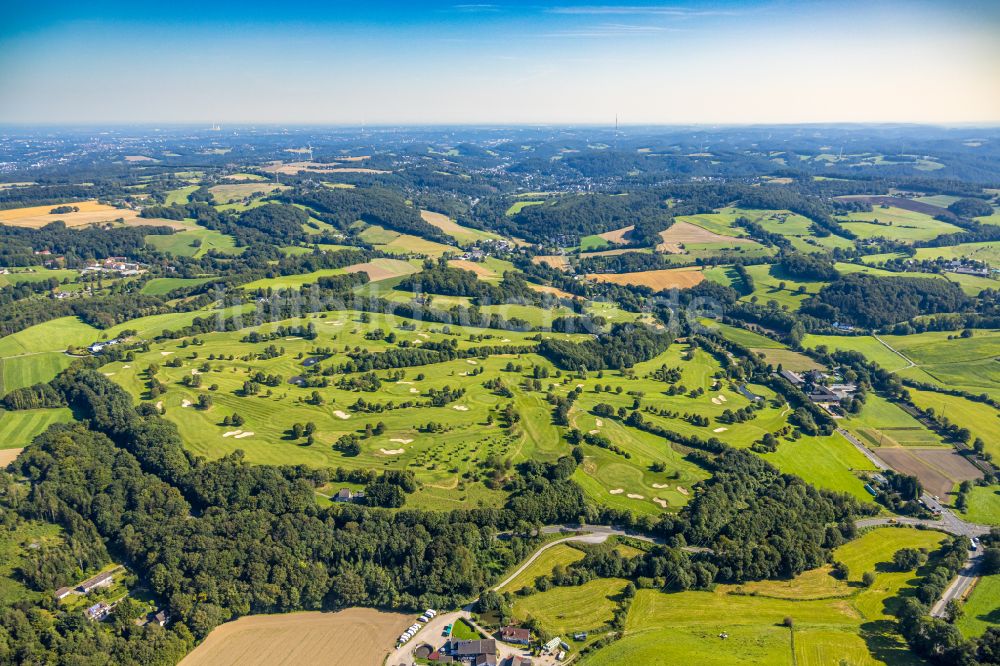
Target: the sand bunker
pixel 243 434
pixel 661 485
pixel 598 422
pixel 593 432
pixel 470 361
pixel 461 408
pixel 109 374
pixel 715 401
pixel 682 491
pixel 165 353
pixel 341 415
pixel 400 440
pixel 616 491
pixel 635 496
pixel 185 403
pixel 159 406
pixel 661 502
pixel 417 342
pixel 195 372
pixel 402 382
pixel 720 430
pixel 391 452
pixel 423 335
pixel 722 397
pixel 126 367
pixel 293 338
pixel 230 433
pixel 413 390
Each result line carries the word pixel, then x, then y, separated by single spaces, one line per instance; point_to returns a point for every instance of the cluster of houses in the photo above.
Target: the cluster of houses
pixel 962 267
pixel 105 579
pixel 120 265
pixel 98 347
pixel 486 248
pixel 812 384
pixel 484 652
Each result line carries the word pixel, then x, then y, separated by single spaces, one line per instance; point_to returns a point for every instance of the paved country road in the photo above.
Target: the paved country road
pixel 961 585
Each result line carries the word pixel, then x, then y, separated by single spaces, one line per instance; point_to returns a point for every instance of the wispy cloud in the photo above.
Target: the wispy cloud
pixel 476 7
pixel 613 30
pixel 639 10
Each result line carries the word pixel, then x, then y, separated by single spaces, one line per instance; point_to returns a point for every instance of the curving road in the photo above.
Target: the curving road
pixel 961 585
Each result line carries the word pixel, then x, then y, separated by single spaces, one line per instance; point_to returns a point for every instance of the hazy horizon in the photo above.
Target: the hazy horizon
pixel 406 64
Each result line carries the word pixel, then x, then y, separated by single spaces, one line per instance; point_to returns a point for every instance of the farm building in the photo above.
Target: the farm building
pixel 793 377
pixel 348 495
pixel 821 394
pixel 63 592
pixel 100 580
pixel 520 661
pixel 162 618
pixel 516 635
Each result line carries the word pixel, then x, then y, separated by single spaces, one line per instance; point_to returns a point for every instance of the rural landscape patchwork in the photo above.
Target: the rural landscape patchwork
pixel 498 393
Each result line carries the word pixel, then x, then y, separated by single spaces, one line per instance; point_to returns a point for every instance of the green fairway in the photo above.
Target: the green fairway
pixel 832 621
pixel 18 428
pixel 20 371
pixel 742 335
pixel 560 555
pixel 566 610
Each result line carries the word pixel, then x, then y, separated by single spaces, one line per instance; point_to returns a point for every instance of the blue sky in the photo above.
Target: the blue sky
pixel 566 62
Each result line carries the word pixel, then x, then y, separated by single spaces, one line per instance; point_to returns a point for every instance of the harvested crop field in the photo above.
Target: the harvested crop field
pixel 228 193
pixel 355 636
pixel 382 269
pixel 618 235
pixel 292 168
pixel 681 278
pixel 899 202
pixel 554 260
pixel 90 212
pixel 454 229
pixel 474 266
pixel 555 291
pixel 685 232
pixel 939 470
pixel 7 456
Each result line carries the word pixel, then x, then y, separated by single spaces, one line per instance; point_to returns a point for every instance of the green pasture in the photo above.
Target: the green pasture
pixel 883 423
pixel 15 544
pixel 982 608
pixel 982 420
pixel 180 195
pixel 36 274
pixel 984 505
pixel 518 206
pixel 896 224
pixel 864 344
pixel 566 610
pixel 560 555
pixel 829 462
pixel 988 252
pixel 161 286
pixel 194 242
pixel 833 623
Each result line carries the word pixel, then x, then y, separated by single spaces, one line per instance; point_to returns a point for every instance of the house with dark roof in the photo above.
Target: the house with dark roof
pixel 100 580
pixel 520 661
pixel 63 592
pixel 821 394
pixel 477 652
